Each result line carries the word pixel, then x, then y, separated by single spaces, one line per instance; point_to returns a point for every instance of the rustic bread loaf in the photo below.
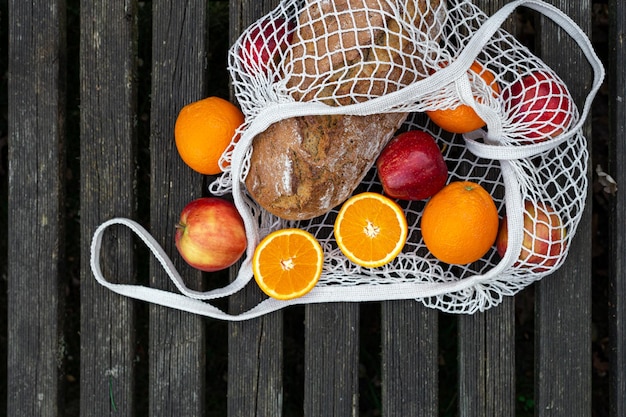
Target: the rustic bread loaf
pixel 302 167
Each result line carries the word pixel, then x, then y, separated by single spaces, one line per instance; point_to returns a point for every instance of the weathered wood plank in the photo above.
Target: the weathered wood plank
pixel 617 167
pixel 177 339
pixel 487 362
pixel 563 322
pixel 410 362
pixel 36 111
pixel 487 340
pixel 255 366
pixel 107 190
pixel 331 386
pixel 331 380
pixel 255 360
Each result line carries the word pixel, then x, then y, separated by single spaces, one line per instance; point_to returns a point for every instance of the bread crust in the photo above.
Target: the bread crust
pixel 304 166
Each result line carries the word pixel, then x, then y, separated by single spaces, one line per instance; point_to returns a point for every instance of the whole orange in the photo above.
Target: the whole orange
pixel 204 129
pixel 463 119
pixel 460 223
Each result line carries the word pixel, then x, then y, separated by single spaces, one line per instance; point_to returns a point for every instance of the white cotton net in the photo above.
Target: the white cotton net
pixel 365 57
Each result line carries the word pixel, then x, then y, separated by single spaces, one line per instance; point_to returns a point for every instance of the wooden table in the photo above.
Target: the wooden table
pixel 90 138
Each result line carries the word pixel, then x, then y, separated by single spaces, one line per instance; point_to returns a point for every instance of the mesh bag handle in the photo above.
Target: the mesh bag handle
pixel 197 302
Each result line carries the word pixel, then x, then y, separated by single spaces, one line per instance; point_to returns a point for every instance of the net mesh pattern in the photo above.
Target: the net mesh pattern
pixel 408 56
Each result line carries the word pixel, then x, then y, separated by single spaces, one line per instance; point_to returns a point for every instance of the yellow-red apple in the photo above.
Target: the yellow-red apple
pixel 210 235
pixel 544 237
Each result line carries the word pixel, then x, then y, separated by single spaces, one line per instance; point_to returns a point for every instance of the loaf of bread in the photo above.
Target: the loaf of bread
pixel 343 52
pixel 304 166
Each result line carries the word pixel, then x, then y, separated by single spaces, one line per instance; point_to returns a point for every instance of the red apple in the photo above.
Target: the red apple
pixel 544 237
pixel 210 235
pixel 411 166
pixel 263 43
pixel 540 105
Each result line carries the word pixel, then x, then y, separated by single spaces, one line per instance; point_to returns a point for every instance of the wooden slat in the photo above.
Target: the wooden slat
pixel 487 362
pixel 617 302
pixel 255 364
pixel 36 92
pixel 410 363
pixel 487 340
pixel 177 339
pixel 107 190
pixel 563 322
pixel 331 380
pixel 255 360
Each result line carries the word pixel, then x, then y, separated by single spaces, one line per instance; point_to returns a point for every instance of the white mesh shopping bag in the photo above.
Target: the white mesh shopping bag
pixel 308 59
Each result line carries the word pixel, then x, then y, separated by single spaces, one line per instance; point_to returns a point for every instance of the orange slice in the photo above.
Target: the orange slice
pixel 287 263
pixel 370 229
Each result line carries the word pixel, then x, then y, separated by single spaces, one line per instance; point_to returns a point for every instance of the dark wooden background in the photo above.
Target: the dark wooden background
pixel 89 102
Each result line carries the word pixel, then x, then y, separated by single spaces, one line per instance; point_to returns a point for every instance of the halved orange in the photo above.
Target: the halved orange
pixel 371 229
pixel 287 263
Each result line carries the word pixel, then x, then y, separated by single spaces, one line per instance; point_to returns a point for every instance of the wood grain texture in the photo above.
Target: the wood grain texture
pixel 563 322
pixel 617 167
pixel 36 113
pixel 331 360
pixel 107 190
pixel 486 341
pixel 487 362
pixel 177 340
pixel 410 363
pixel 255 367
pixel 331 355
pixel 255 360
